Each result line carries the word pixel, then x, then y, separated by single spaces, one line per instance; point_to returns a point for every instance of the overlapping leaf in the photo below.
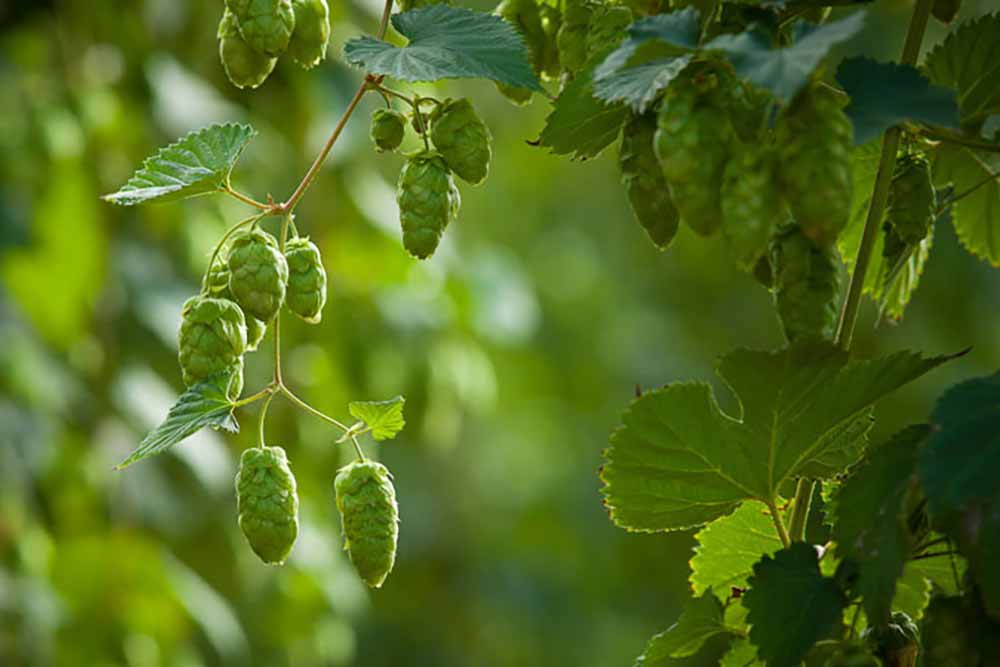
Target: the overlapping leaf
pixel 204 404
pixel 679 461
pixel 701 620
pixel 969 61
pixel 976 216
pixel 887 94
pixel 197 164
pixel 448 43
pixel 384 418
pixel 728 547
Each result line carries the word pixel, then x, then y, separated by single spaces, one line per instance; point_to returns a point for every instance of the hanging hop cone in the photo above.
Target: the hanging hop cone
pixel 217 283
pixel 806 284
pixel 912 199
pixel 306 293
pixel 751 204
pixel 266 25
pixel 211 340
pixel 245 67
pixel 428 200
pixel 463 139
pixel 571 39
pixel 370 518
pixel 307 45
pixel 387 129
pixel 267 503
pixel 258 274
pixel 643 180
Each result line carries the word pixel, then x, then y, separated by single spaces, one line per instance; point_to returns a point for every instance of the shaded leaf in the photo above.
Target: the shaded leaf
pixel 204 404
pixel 448 43
pixel 639 86
pixel 742 654
pixel 976 216
pixel 700 621
pixel 791 605
pixel 384 418
pixel 886 94
pixel 679 461
pixel 197 164
pixel 784 71
pixel 708 656
pixel 727 549
pixel 969 61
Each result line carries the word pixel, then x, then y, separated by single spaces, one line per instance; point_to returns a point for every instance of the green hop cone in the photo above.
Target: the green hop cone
pixel 266 25
pixel 912 199
pixel 407 5
pixel 526 17
pixel 245 67
pixel 307 45
pixel 387 129
pixel 370 518
pixel 571 40
pixel 607 29
pixel 306 294
pixel 806 284
pixel 751 204
pixel 211 340
pixel 428 200
pixel 462 139
pixel 896 643
pixel 693 141
pixel 217 284
pixel 258 274
pixel 643 180
pixel 815 139
pixel 267 503
pixel 551 22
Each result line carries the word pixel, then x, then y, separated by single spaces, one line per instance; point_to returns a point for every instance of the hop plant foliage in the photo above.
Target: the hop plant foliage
pixel 307 45
pixel 693 144
pixel 815 139
pixel 211 340
pixel 370 518
pixel 245 67
pixel 912 199
pixel 428 200
pixel 306 294
pixel 751 205
pixel 266 25
pixel 462 139
pixel 258 274
pixel 267 503
pixel 643 180
pixel 806 284
pixel 571 40
pixel 387 129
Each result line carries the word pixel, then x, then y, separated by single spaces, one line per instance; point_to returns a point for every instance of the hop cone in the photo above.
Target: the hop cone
pixel 428 200
pixel 607 28
pixel 897 643
pixel 258 274
pixel 306 293
pixel 387 129
pixel 370 518
pixel 806 284
pixel 245 67
pixel 751 204
pixel 571 39
pixel 551 22
pixel 217 284
pixel 462 139
pixel 816 139
pixel 692 143
pixel 267 503
pixel 266 25
pixel 643 180
pixel 212 338
pixel 912 199
pixel 526 17
pixel 307 45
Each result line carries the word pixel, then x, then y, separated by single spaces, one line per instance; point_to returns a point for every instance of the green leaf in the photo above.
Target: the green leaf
pixel 742 654
pixel 976 216
pixel 727 549
pixel 792 605
pixel 204 404
pixel 784 71
pixel 709 655
pixel 700 621
pixel 913 589
pixel 886 94
pixel 944 573
pixel 384 418
pixel 197 164
pixel 580 124
pixel 969 61
pixel 870 524
pixel 638 86
pixel 679 461
pixel 447 42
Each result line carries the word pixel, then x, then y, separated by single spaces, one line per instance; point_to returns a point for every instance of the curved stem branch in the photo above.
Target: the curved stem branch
pixel 310 409
pixel 250 201
pixel 260 420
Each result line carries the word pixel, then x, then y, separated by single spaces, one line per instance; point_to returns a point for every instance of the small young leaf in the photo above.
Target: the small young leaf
pixel 700 621
pixel 976 216
pixel 886 94
pixel 448 43
pixel 204 404
pixel 792 605
pixel 197 164
pixel 728 547
pixel 384 418
pixel 870 523
pixel 784 71
pixel 967 61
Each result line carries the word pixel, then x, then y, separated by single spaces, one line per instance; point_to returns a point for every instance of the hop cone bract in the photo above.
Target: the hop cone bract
pixel 266 25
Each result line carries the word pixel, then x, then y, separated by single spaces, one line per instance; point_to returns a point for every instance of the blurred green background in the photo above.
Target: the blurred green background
pixel 517 346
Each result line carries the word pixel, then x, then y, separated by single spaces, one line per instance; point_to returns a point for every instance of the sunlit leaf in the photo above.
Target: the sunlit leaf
pixel 384 418
pixel 975 177
pixel 700 621
pixel 727 549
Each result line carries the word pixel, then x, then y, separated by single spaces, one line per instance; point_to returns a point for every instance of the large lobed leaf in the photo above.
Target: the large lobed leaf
pixel 969 61
pixel 204 404
pixel 678 461
pixel 976 216
pixel 447 42
pixel 197 164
